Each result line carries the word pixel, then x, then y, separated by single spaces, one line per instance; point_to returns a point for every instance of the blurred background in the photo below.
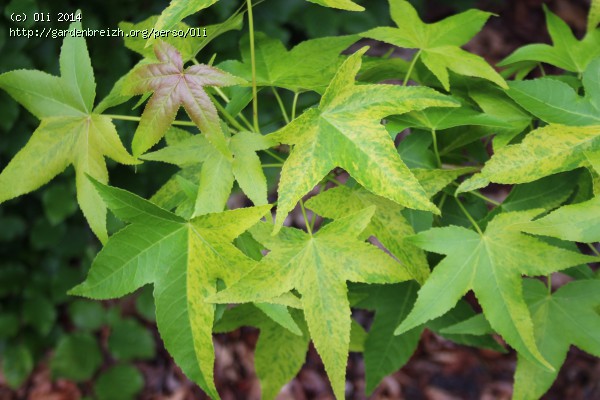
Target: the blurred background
pixel 53 346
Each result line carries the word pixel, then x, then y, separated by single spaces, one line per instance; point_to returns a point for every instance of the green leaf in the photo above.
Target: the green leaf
pixel 218 172
pixel 121 382
pixel 461 312
pixel 318 267
pixel 495 103
pixel 443 118
pixel 87 315
pixel 175 12
pixel 279 354
pixel 345 131
pixel 291 69
pixel 387 224
pixel 566 52
pixel 184 260
pixel 67 135
pixel 58 203
pixel 144 304
pixel 172 87
pixel 341 4
pixel 130 340
pixel 576 222
pixel 476 325
pixel 593 16
pixel 556 102
pixel 76 70
pixel 17 364
pixel 438 43
pixel 568 316
pixel 384 352
pixel 76 357
pixel 39 312
pixel 188 46
pixel 485 265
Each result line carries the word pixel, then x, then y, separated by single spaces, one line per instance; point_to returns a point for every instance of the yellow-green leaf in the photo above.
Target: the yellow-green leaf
pixel 318 266
pixel 345 131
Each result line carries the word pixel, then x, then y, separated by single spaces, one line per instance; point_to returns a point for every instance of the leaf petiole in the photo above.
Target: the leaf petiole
pixel 468 215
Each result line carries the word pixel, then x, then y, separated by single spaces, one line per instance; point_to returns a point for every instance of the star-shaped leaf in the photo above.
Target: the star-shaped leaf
pixel 174 87
pixel 70 133
pixel 438 43
pixel 556 102
pixel 566 52
pixel 345 131
pixel 291 69
pixel 388 224
pixel 184 259
pixel 491 265
pixel 318 266
pixel 218 172
pixel 568 316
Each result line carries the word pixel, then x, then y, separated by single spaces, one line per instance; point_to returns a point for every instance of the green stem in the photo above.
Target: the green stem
pixel 137 119
pixel 469 217
pixel 226 114
pixel 542 70
pixel 306 221
pixel 227 100
pixel 435 149
pixel 274 155
pixel 594 250
pixel 272 165
pixel 410 68
pixel 253 60
pixel 481 196
pixel 296 95
pixel 281 106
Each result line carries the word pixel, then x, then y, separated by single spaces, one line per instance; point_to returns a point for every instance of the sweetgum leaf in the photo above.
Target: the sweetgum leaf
pixel 556 102
pixel 174 87
pixel 291 69
pixel 175 12
pixel 566 52
pixel 575 222
pixel 545 151
pixel 491 265
pixel 68 134
pixel 567 316
pixel 184 259
pixel 439 43
pixel 279 354
pixel 318 266
pixel 188 46
pixel 218 172
pixel 387 224
pixel 345 131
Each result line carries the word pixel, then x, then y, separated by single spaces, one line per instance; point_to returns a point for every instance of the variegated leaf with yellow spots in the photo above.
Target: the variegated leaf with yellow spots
pixel 318 266
pixel 184 259
pixel 345 131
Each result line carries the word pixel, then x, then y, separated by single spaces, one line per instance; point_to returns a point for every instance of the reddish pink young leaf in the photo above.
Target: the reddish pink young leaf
pixel 174 86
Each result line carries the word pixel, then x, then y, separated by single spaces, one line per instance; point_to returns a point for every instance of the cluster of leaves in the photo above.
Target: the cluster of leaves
pixel 395 199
